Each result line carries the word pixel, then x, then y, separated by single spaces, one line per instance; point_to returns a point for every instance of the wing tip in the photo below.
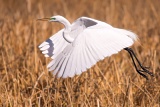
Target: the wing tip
pixel 42 44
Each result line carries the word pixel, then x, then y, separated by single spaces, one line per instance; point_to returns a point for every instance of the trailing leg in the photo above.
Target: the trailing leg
pixel 134 58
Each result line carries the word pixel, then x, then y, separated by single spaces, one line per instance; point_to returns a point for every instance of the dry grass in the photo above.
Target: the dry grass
pixel 25 81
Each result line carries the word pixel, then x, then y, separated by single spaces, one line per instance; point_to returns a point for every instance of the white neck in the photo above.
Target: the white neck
pixel 67 30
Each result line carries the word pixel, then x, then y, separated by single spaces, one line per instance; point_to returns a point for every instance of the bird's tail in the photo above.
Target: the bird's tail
pixel 130 34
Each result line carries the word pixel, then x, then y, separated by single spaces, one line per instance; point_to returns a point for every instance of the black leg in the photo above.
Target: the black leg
pixel 144 69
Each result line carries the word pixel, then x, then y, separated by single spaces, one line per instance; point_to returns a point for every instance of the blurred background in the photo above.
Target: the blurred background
pixel 25 80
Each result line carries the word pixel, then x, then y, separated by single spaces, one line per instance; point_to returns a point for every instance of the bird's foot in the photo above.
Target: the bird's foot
pixel 140 72
pixel 145 70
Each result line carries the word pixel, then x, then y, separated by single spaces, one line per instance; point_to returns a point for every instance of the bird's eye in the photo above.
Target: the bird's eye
pixel 53 18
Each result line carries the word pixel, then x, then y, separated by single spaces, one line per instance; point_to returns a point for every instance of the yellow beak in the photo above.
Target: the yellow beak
pixel 43 19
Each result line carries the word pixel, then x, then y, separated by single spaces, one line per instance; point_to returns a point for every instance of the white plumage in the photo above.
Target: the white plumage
pixel 82 44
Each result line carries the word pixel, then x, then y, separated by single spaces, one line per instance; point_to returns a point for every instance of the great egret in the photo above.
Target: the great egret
pixel 83 43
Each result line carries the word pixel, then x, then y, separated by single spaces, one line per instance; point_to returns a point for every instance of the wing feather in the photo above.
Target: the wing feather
pixel 69 63
pixel 82 60
pixel 71 73
pixel 54 63
pixel 78 62
pixel 45 47
pixel 53 46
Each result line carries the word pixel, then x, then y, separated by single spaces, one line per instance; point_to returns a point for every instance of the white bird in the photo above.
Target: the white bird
pixel 83 43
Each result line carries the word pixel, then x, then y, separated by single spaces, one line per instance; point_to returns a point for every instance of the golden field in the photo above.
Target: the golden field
pixel 112 82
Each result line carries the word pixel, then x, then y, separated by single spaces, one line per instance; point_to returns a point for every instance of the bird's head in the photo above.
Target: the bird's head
pixel 56 18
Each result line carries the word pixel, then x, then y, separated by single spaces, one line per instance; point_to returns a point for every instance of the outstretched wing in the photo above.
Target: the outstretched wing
pixel 95 42
pixel 54 45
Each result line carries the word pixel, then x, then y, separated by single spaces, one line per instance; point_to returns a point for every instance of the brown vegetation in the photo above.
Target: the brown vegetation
pixel 25 80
